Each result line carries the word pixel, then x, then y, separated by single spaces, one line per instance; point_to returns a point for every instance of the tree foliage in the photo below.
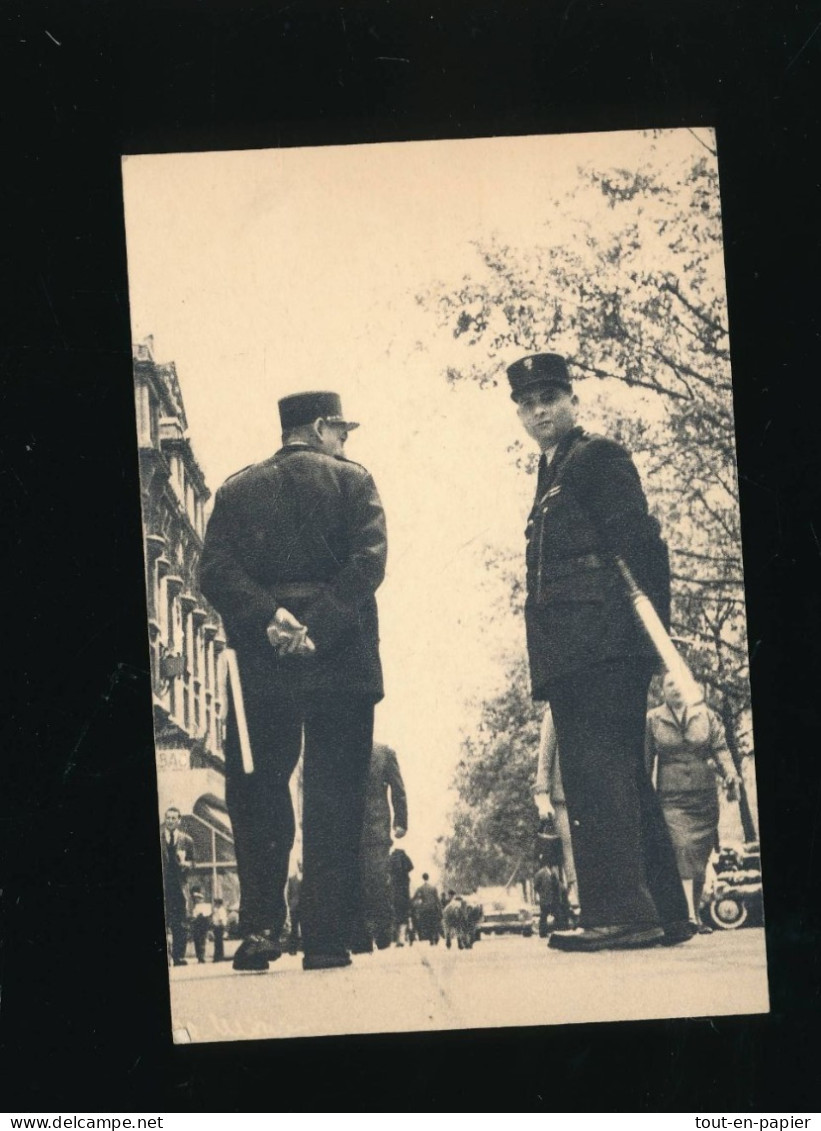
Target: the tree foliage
pixel 628 283
pixel 494 823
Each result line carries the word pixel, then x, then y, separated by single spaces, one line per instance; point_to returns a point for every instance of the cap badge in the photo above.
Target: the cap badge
pixel 528 363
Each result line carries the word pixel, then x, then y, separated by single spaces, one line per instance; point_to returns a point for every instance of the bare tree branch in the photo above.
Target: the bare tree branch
pixel 674 289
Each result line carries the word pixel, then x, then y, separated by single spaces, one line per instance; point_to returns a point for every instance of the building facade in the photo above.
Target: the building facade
pixel 185 634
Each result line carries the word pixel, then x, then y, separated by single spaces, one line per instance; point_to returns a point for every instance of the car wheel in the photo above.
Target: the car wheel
pixel 728 912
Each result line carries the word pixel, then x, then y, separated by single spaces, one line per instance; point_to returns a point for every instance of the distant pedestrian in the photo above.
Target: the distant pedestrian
pixel 385 791
pixel 427 912
pixel 200 922
pixel 177 864
pixel 401 867
pixel 219 925
pixel 548 792
pixel 550 892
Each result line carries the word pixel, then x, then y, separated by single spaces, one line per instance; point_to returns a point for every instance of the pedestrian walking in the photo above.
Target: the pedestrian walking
pixel 219 925
pixel 401 866
pixel 554 910
pixel 200 922
pixel 386 812
pixel 294 552
pixel 426 910
pixel 592 662
pixel 177 864
pixel 686 749
pixel 548 792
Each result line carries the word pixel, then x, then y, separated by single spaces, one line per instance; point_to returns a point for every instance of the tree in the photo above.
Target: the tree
pixel 494 822
pixel 629 284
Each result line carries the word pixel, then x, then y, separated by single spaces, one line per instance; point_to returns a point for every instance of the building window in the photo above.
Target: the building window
pixel 144 431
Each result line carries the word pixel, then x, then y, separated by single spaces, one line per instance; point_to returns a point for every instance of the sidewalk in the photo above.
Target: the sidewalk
pixel 503 981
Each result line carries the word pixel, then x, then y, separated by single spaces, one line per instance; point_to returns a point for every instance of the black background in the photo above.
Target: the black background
pixel 84 980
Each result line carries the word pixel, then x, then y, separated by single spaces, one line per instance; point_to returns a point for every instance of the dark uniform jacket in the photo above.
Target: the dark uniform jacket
pixel 589 507
pixel 383 775
pixel 305 531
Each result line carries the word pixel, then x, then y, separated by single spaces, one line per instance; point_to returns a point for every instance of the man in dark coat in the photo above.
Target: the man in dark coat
pixel 384 780
pixel 294 552
pixel 592 661
pixel 426 910
pixel 401 866
pixel 177 865
pixel 549 890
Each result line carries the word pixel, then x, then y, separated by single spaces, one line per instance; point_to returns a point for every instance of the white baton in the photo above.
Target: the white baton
pixel 675 664
pixel 239 710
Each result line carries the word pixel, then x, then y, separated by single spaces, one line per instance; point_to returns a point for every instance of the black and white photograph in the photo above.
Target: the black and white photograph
pixel 444 589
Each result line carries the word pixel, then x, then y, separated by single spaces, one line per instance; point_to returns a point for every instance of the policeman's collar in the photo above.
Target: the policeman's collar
pixel 563 446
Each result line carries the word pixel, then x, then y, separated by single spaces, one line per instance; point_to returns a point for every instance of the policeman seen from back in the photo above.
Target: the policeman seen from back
pixel 294 552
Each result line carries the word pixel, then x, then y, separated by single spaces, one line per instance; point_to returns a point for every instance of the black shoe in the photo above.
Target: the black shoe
pixel 256 951
pixel 180 962
pixel 587 939
pixel 679 932
pixel 324 961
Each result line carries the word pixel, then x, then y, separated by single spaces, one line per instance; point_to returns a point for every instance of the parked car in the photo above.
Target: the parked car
pixel 504 912
pixel 737 898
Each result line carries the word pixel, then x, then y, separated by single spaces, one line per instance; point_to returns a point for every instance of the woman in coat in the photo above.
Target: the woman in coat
pixel 685 749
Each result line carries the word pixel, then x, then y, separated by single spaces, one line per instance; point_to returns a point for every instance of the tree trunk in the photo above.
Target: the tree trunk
pixel 747 822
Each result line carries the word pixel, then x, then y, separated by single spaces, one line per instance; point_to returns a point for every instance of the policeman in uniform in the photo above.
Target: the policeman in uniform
pixel 294 552
pixel 590 659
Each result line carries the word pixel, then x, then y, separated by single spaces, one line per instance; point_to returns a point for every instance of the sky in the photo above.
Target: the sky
pixel 264 273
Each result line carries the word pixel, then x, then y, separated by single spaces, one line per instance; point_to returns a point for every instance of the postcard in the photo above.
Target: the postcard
pixel 444 588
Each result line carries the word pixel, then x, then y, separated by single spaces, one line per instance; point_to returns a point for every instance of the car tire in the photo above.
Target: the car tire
pixel 728 912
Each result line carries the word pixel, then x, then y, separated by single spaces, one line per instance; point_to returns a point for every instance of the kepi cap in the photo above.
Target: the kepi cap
pixel 305 408
pixel 538 370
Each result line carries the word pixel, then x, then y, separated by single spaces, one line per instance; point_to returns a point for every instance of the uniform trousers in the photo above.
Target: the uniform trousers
pixel 625 865
pixel 338 738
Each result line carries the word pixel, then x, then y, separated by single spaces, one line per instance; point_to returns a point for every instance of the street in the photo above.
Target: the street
pixel 506 980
